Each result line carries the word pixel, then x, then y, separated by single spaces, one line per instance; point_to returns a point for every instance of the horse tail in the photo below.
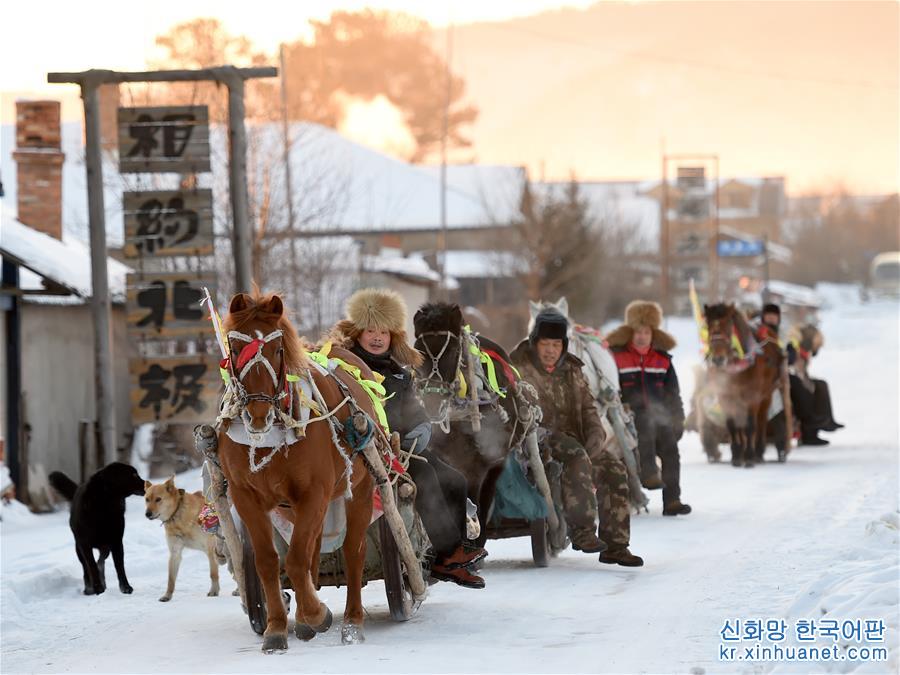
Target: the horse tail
pixel 63 484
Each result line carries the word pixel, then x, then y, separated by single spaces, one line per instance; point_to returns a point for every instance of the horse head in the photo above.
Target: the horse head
pixel 720 322
pixel 263 347
pixel 438 330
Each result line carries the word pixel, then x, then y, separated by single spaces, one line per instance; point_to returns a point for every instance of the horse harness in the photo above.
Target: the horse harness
pixel 454 405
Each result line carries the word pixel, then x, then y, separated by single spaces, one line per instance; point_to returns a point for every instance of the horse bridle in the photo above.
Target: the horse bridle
pixel 278 380
pixel 434 382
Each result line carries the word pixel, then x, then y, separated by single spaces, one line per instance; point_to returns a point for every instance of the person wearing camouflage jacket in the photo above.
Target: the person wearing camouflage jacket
pixel 594 482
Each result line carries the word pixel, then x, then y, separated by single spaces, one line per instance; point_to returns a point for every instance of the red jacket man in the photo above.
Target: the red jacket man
pixel 650 388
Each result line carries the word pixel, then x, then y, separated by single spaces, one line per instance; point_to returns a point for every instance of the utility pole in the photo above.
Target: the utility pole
pixel 289 187
pixel 442 244
pixel 664 237
pixel 714 239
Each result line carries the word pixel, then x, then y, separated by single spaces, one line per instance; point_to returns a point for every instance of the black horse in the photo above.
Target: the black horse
pixel 478 454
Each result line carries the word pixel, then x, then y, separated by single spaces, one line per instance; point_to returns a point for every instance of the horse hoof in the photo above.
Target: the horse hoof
pixel 748 465
pixel 306 632
pixel 274 643
pixel 351 634
pixel 165 598
pixel 782 457
pixel 736 463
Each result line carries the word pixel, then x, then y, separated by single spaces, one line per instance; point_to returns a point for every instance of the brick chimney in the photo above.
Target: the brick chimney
pixel 39 163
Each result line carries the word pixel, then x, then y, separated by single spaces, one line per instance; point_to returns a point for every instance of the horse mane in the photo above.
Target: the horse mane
pixel 745 332
pixel 436 316
pixel 260 309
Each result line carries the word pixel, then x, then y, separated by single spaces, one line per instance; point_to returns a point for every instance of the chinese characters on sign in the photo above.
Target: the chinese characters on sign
pixel 166 304
pixel 166 139
pixel 165 223
pixel 174 389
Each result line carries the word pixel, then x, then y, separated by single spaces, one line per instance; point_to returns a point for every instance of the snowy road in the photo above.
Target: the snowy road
pixel 804 540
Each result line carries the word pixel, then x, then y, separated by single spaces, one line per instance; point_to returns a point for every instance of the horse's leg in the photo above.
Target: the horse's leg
pixel 267 567
pixel 749 435
pixel 309 508
pixel 735 441
pixel 762 424
pixel 359 513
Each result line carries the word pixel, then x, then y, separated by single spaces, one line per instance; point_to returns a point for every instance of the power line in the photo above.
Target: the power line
pixel 689 62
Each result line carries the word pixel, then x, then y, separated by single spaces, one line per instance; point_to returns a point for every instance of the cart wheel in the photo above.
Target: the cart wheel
pixel 256 599
pixel 540 542
pixel 399 596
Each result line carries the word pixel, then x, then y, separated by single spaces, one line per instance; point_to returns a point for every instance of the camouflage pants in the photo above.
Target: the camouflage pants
pixel 592 488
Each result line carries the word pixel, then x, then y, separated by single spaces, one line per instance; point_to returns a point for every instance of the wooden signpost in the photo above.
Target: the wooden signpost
pixel 165 225
pixel 152 140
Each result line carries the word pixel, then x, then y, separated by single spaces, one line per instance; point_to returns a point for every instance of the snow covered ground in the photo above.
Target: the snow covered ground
pixel 814 539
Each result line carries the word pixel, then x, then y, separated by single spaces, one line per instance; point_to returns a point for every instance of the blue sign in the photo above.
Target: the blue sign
pixel 738 248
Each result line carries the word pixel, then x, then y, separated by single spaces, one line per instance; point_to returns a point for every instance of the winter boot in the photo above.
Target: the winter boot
pixel 586 540
pixel 676 508
pixel 812 439
pixel 463 556
pixel 621 556
pixel 460 576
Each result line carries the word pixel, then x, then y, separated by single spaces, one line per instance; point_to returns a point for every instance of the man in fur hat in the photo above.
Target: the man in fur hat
pixel 650 388
pixel 375 330
pixel 594 481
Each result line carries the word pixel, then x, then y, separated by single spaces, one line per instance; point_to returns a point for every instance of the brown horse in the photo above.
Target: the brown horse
pixel 744 385
pixel 304 475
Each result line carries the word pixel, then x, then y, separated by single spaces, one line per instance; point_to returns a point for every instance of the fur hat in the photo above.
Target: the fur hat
pixel 550 323
pixel 642 313
pixel 377 308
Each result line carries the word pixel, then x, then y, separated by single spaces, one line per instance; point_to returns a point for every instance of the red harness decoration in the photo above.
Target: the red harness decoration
pixel 249 352
pixel 507 369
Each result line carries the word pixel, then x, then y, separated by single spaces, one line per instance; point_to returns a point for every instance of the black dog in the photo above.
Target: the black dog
pixel 97 519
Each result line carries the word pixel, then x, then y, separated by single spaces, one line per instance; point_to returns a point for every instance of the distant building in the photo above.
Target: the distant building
pixel 749 209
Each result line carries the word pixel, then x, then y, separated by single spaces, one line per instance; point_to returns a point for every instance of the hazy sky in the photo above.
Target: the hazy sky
pixel 120 35
pixel 565 95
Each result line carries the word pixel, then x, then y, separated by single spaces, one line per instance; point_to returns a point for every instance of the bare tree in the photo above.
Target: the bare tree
pixel 834 235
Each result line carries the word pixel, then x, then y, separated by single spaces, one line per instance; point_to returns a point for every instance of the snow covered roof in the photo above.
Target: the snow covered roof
pixel 66 263
pixel 497 187
pixel 74 184
pixel 483 264
pixel 340 185
pixel 622 204
pixel 413 266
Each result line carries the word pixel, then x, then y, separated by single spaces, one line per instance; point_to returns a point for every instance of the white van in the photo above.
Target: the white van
pixel 884 274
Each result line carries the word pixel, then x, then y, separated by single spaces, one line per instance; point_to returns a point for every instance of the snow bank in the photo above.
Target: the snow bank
pixel 862 584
